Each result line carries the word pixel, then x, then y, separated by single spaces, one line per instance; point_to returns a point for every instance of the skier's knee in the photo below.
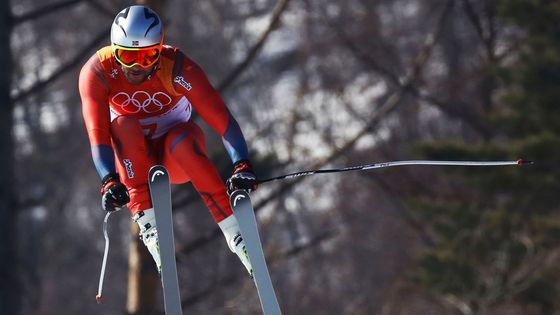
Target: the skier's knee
pixel 125 120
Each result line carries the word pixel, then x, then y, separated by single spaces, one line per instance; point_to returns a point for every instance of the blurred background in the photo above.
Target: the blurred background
pixel 313 84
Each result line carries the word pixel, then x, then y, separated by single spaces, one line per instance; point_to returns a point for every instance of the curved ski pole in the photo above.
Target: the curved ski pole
pixel 99 295
pixel 398 163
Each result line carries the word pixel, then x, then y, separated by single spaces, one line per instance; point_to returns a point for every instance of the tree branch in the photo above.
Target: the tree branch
pixel 18 19
pixel 236 72
pixel 41 84
pixel 101 8
pixel 313 242
pixel 385 109
pixel 456 112
pixel 488 38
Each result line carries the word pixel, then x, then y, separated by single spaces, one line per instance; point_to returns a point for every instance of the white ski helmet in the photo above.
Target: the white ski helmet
pixel 136 27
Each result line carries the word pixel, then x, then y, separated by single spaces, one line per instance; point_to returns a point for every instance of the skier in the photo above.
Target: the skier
pixel 137 98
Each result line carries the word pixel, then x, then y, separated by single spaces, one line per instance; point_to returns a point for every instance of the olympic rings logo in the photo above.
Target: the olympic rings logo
pixel 141 101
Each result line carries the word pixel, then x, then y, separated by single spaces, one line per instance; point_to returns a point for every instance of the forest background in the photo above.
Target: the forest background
pixel 313 84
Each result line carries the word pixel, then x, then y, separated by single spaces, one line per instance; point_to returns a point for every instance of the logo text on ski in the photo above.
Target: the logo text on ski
pixel 237 198
pixel 156 173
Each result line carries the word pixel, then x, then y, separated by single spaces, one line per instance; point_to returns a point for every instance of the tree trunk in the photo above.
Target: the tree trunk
pixel 10 291
pixel 142 278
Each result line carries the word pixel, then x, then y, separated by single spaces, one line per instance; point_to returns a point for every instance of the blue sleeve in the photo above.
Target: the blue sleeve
pixel 234 141
pixel 104 159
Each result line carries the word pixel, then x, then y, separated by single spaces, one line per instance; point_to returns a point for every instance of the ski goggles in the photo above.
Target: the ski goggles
pixel 144 57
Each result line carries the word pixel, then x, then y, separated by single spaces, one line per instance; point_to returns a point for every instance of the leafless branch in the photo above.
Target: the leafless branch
pixel 236 72
pixel 101 8
pixel 487 37
pixel 388 107
pixel 452 111
pixel 71 64
pixel 313 242
pixel 385 109
pixel 35 14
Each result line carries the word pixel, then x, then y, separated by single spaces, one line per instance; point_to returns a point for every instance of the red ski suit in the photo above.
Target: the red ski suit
pixel 133 127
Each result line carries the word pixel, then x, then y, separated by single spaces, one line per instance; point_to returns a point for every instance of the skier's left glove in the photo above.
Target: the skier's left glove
pixel 114 194
pixel 243 177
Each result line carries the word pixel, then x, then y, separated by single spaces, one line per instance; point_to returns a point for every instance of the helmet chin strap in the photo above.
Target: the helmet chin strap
pixel 154 69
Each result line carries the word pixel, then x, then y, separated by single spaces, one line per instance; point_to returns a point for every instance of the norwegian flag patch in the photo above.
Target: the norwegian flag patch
pixel 135 43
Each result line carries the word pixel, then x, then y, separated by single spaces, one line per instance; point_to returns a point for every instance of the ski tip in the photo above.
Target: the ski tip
pixel 156 171
pixel 237 196
pixel 521 162
pixel 98 298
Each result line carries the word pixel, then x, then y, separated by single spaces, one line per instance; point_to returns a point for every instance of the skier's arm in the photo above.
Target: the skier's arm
pixel 209 105
pixel 95 111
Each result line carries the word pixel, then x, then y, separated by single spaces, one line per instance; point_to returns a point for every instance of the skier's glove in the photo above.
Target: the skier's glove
pixel 114 194
pixel 243 177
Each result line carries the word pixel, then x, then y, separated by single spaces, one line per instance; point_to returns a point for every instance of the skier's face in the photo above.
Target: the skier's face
pixel 136 75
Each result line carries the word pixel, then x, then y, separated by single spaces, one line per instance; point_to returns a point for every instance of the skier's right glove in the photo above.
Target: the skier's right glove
pixel 114 194
pixel 243 177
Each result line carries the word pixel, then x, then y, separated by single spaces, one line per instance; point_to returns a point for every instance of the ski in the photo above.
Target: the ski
pixel 160 191
pixel 243 211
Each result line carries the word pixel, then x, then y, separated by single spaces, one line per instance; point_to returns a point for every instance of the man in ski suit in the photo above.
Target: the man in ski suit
pixel 137 97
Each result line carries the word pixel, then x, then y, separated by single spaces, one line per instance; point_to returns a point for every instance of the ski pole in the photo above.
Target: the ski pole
pixel 397 163
pixel 99 295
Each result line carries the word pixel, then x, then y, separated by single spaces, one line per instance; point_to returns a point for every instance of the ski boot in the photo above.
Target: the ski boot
pixel 148 233
pixel 236 244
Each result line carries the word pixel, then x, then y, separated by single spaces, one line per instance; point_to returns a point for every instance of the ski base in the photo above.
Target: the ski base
pixel 160 191
pixel 243 211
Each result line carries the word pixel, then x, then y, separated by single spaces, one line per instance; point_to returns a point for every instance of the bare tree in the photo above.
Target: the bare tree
pixel 313 84
pixel 10 294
